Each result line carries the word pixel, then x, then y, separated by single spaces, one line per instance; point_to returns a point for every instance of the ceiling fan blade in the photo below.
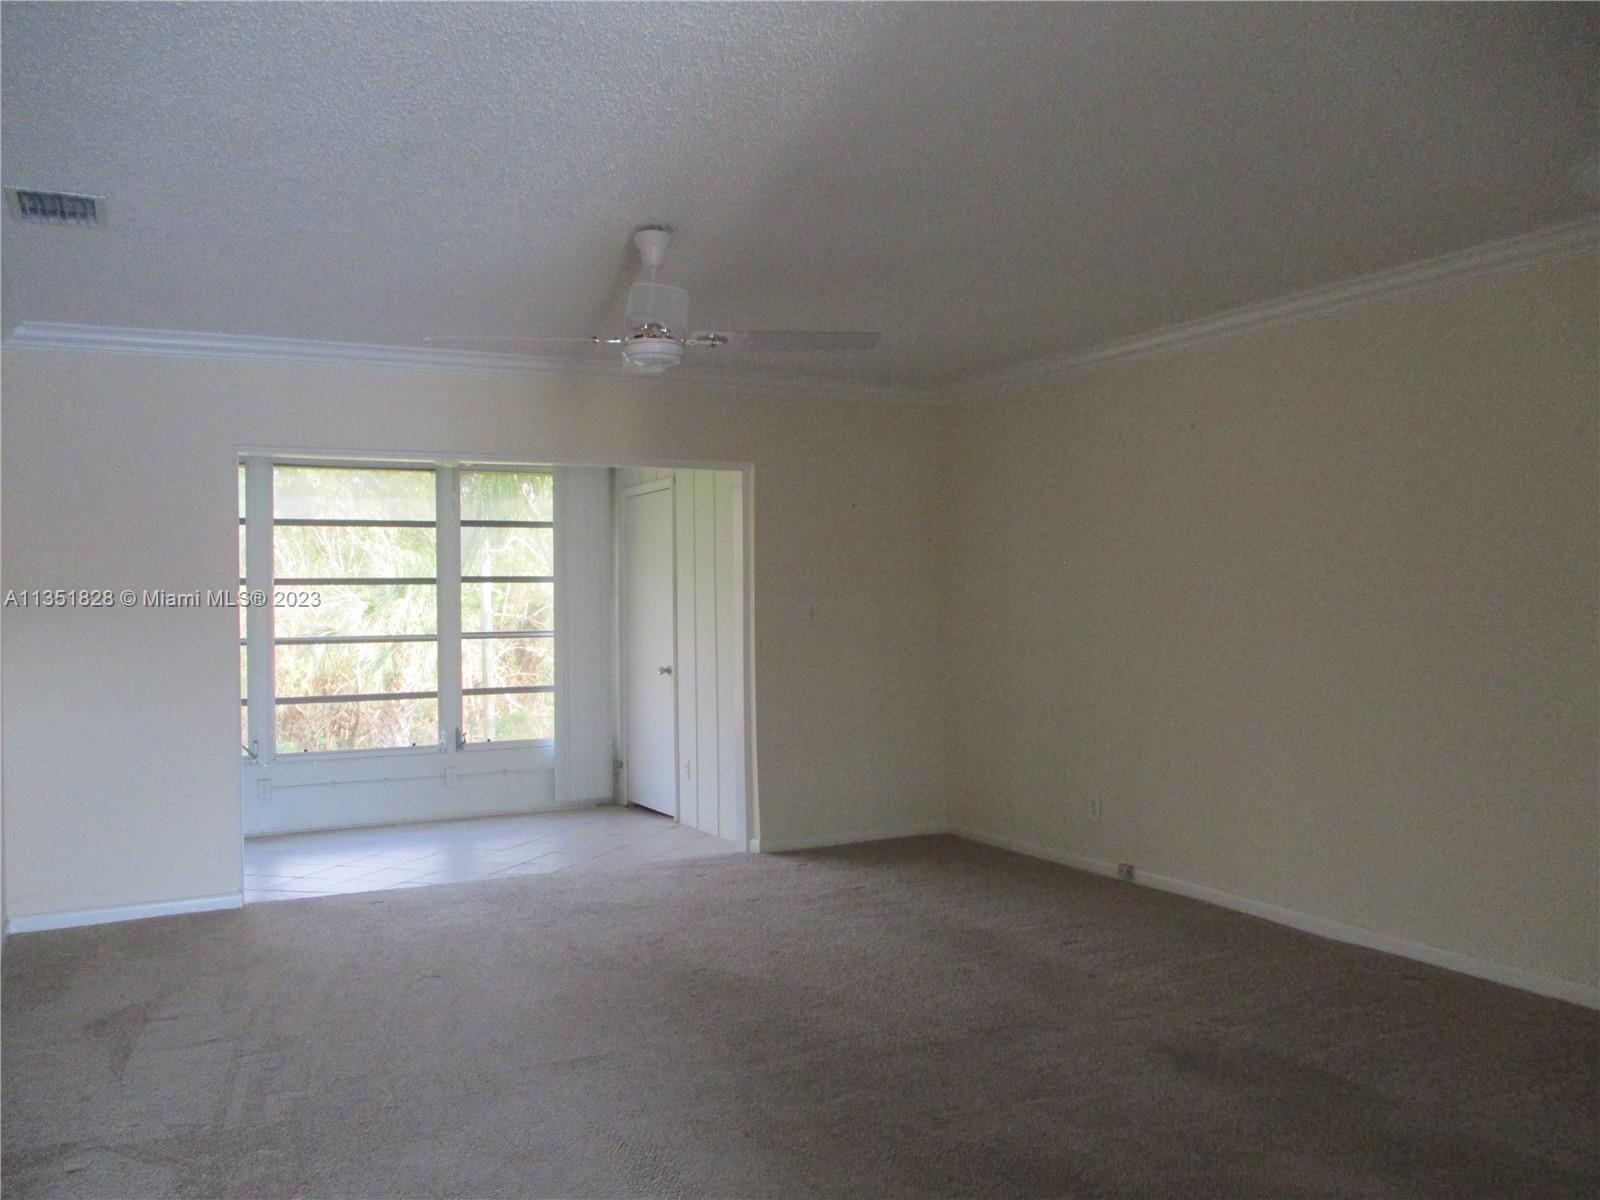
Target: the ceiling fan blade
pixel 521 341
pixel 776 341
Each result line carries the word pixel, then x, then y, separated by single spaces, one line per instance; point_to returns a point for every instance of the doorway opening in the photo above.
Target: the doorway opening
pixel 681 649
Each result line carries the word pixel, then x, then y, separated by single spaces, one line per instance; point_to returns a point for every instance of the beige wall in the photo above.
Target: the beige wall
pixel 121 769
pixel 1311 611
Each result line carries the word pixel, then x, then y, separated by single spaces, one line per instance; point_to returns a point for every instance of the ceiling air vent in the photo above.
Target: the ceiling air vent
pixel 56 208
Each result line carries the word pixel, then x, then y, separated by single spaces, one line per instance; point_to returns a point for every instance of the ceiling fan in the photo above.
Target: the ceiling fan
pixel 656 329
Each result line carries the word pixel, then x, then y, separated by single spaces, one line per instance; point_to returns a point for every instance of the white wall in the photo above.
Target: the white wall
pixel 709 543
pixel 1310 611
pixel 120 726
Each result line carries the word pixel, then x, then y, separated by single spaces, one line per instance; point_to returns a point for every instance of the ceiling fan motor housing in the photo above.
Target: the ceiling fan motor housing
pixel 657 308
pixel 657 322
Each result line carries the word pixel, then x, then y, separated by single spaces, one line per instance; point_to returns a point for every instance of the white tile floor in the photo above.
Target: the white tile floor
pixel 297 865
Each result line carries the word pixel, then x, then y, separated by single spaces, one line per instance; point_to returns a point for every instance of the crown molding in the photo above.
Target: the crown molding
pixel 46 335
pixel 1569 240
pixel 1557 242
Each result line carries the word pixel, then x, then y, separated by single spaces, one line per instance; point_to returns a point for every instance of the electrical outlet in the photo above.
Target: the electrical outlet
pixel 1095 809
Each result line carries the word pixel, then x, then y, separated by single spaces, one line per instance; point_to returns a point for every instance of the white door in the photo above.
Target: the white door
pixel 649 691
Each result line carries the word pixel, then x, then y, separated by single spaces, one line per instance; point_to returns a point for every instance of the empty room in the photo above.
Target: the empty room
pixel 775 600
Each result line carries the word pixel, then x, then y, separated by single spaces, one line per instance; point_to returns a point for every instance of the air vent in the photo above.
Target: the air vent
pixel 56 208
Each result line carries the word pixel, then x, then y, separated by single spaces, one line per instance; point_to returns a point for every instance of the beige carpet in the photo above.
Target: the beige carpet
pixel 923 1017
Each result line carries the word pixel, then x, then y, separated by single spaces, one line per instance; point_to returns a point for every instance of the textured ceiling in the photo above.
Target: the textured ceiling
pixel 986 184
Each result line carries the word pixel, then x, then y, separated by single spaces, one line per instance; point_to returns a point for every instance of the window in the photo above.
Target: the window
pixel 507 606
pixel 365 656
pixel 355 639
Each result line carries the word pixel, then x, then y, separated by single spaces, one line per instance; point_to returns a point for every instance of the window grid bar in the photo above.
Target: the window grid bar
pixel 359 463
pixel 508 524
pixel 510 633
pixel 508 579
pixel 353 580
pixel 508 691
pixel 351 523
pixel 356 697
pixel 355 639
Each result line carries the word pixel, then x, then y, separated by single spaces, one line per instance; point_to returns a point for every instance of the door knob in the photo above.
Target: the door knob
pixel 663 670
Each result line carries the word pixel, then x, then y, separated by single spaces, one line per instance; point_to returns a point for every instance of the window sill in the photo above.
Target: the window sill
pixel 336 756
pixel 530 744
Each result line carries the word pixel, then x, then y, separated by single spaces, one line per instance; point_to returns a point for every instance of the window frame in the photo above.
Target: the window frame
pixel 261 701
pixel 248 746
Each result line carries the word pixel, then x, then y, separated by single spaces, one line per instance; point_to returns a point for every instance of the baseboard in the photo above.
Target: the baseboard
pixel 126 912
pixel 822 841
pixel 1450 960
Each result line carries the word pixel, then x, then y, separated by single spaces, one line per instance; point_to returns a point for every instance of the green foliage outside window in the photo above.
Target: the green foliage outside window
pixel 380 552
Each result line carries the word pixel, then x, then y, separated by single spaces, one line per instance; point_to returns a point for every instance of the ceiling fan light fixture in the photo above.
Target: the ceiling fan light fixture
pixel 652 355
pixel 657 320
